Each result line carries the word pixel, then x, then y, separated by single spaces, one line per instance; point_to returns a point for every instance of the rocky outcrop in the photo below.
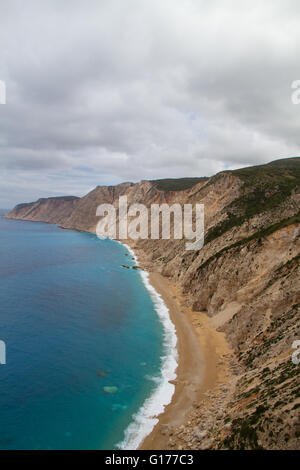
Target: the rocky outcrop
pixel 245 278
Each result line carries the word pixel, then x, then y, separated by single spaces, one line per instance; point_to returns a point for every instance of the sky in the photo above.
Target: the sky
pixel 106 91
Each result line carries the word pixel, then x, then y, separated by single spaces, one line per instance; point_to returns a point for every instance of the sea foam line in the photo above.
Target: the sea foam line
pixel 146 418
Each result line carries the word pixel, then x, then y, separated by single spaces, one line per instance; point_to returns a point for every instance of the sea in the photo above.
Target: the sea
pixel 90 347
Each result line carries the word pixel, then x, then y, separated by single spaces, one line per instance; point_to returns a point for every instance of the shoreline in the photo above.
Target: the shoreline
pixel 146 418
pixel 202 363
pixel 189 372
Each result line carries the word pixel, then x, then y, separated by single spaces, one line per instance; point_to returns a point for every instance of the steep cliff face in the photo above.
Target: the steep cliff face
pixel 252 293
pixel 146 192
pixel 245 278
pixel 80 213
pixel 53 210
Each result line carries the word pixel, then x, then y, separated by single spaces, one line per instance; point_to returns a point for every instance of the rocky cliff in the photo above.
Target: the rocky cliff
pixel 245 278
pixel 53 210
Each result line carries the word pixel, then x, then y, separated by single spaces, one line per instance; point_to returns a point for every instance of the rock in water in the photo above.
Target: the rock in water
pixel 110 390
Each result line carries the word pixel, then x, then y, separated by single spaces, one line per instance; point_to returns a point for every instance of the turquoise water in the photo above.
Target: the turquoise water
pixel 74 322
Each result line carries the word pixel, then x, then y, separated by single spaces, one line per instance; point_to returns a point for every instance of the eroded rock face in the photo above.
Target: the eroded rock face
pixel 53 210
pixel 246 278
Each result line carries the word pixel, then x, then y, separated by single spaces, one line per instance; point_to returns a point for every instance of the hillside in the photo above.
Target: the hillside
pixel 177 184
pixel 245 279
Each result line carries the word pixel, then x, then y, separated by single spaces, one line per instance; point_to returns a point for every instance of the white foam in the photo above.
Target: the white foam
pixel 146 418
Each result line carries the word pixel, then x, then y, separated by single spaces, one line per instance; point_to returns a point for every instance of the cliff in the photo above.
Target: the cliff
pixel 53 210
pixel 245 278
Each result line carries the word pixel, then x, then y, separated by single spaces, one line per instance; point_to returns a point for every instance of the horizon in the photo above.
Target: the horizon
pixel 135 182
pixel 154 91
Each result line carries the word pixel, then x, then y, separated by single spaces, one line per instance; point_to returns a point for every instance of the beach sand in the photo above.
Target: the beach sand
pixel 202 364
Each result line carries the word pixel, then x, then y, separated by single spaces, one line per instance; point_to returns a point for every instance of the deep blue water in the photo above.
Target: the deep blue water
pixel 74 321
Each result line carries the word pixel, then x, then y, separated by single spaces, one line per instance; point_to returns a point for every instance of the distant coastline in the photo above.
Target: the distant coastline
pixel 249 267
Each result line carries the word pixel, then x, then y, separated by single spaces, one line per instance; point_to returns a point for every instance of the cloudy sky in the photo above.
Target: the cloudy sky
pixel 104 91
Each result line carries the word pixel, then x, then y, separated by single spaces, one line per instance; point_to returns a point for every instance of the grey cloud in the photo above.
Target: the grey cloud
pixel 103 92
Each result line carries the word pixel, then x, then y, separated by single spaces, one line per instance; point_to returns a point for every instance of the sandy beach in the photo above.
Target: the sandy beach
pixel 202 364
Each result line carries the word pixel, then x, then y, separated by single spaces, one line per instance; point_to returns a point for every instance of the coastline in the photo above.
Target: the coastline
pixel 146 418
pixel 202 364
pixel 189 372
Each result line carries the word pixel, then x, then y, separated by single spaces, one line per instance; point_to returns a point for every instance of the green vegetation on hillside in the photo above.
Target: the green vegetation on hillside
pixel 177 184
pixel 59 198
pixel 272 172
pixel 265 188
